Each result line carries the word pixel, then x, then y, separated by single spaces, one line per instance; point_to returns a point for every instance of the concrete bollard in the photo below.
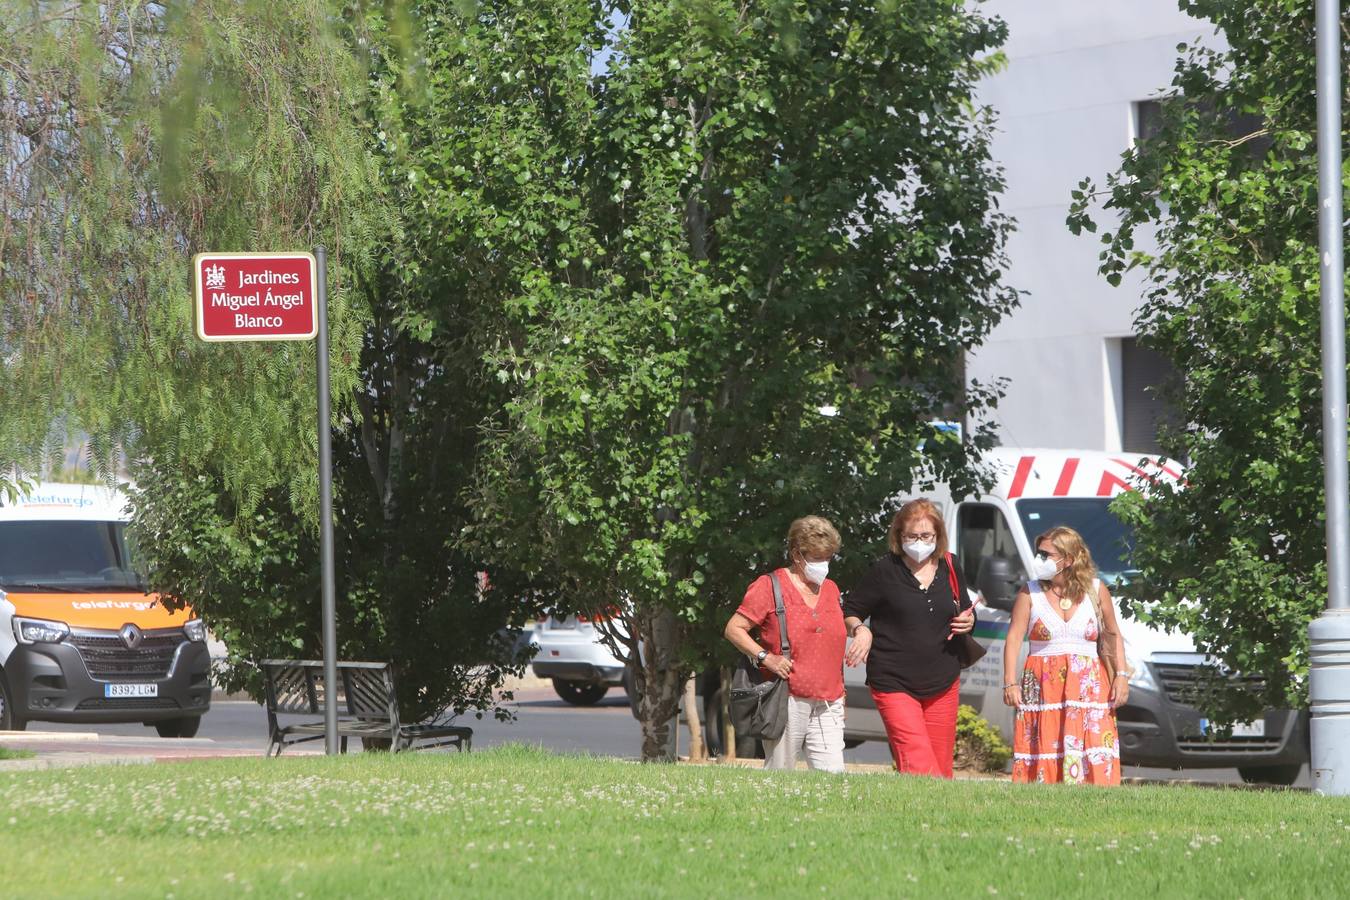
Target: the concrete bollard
pixel 1329 690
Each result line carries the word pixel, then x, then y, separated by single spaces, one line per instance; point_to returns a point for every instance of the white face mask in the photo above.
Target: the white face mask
pixel 1043 569
pixel 919 550
pixel 816 571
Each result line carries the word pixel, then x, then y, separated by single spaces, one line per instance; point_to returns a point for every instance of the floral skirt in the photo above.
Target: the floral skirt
pixel 1066 729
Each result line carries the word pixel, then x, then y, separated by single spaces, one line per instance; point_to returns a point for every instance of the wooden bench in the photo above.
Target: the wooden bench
pixel 367 707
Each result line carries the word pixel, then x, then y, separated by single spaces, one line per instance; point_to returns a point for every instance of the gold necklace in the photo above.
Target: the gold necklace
pixel 1064 602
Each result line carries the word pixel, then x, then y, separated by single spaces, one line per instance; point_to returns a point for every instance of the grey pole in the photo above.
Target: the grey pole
pixel 1329 635
pixel 330 735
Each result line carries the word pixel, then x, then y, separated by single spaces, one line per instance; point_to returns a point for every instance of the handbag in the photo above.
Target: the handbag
pixel 759 702
pixel 968 650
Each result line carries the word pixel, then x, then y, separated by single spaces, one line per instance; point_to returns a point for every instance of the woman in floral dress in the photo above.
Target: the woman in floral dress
pixel 1066 721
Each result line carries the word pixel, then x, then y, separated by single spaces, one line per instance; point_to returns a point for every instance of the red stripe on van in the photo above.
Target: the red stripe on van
pixel 1109 481
pixel 1020 477
pixel 1066 476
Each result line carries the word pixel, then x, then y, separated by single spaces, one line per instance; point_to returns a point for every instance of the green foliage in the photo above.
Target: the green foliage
pixel 757 211
pixel 1218 213
pixel 140 134
pixel 182 127
pixel 978 744
pixel 401 596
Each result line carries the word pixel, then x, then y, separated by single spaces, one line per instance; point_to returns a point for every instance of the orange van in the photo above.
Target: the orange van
pixel 80 639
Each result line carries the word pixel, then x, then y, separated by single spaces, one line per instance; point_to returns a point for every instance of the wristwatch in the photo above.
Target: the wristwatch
pixel 761 656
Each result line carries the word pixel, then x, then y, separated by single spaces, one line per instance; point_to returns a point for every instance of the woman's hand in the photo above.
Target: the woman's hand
pixel 860 647
pixel 963 623
pixel 778 665
pixel 1012 695
pixel 1120 689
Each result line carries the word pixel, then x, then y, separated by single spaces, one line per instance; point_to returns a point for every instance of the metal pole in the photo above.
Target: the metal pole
pixel 330 683
pixel 1329 635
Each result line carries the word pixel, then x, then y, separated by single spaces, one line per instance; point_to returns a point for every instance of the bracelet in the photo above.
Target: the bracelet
pixel 1010 684
pixel 854 632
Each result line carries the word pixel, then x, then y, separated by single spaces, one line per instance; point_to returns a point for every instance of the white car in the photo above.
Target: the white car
pixel 572 654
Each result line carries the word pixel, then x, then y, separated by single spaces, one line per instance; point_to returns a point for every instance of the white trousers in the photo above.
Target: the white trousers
pixel 813 726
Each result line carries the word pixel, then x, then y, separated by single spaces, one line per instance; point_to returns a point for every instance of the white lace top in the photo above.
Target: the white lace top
pixel 1050 635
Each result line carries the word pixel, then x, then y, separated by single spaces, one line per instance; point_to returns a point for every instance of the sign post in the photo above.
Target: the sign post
pixel 330 736
pixel 282 297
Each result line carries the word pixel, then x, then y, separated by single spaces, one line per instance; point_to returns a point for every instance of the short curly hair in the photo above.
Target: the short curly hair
pixel 813 535
pixel 920 508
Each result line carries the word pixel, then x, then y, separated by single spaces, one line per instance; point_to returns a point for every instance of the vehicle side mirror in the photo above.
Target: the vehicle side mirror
pixel 998 580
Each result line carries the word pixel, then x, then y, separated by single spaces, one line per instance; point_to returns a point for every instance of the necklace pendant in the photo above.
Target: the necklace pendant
pixel 1065 603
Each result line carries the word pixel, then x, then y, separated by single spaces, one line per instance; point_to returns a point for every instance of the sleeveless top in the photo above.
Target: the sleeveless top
pixel 1050 635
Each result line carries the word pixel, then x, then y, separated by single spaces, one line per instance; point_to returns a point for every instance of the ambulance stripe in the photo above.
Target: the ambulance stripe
pixel 1066 476
pixel 1020 477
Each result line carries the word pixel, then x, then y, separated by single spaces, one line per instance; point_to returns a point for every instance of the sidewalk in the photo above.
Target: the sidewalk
pixel 56 750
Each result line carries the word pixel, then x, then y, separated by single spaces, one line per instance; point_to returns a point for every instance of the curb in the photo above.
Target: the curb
pixel 71 761
pixel 1218 785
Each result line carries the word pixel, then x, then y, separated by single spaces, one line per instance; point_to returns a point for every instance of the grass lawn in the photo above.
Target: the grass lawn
pixel 523 823
pixel 7 753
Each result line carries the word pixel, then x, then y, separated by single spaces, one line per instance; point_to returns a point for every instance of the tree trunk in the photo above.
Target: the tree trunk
pixel 728 729
pixel 663 679
pixel 691 716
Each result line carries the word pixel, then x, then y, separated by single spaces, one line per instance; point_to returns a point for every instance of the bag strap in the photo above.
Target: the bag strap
pixel 782 617
pixel 1097 604
pixel 951 578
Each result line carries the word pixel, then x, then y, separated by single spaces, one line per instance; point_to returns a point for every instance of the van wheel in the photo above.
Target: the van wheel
pixel 183 727
pixel 579 693
pixel 9 717
pixel 1270 774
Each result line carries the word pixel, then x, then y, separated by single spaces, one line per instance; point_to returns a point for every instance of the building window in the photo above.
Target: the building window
pixel 1147 119
pixel 1145 375
pixel 1237 126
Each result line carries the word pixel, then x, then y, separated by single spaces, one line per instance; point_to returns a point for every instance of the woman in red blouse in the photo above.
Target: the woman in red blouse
pixel 815 623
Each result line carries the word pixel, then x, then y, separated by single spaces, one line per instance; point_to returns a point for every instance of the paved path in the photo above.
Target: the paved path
pixel 235 727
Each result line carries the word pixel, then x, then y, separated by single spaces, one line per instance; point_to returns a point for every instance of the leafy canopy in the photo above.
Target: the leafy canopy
pixel 1220 211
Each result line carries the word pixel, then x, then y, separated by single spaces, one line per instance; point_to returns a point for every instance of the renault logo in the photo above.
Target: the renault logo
pixel 131 636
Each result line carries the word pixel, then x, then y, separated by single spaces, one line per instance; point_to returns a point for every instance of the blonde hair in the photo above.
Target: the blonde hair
pixel 812 535
pixel 1079 569
pixel 911 511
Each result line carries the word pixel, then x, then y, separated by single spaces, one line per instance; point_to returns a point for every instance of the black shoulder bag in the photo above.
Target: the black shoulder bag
pixel 968 650
pixel 759 704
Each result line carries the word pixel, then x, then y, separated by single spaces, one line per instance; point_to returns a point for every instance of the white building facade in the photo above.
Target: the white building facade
pixel 1069 105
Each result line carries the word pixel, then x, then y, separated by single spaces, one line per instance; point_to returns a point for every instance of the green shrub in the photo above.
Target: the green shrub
pixel 979 746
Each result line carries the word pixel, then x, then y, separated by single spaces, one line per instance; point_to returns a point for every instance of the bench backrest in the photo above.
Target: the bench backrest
pixel 296 687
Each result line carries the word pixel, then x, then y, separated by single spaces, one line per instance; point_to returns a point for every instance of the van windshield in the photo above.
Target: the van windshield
pixel 1109 540
pixel 66 556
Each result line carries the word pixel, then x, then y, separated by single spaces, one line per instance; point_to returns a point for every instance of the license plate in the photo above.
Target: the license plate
pixel 1240 729
pixel 131 690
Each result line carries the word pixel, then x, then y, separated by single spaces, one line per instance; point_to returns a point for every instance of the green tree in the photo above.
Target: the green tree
pixel 135 134
pixel 1219 211
pixel 737 269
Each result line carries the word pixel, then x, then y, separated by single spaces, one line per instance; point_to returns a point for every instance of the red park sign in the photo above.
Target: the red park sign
pixel 255 296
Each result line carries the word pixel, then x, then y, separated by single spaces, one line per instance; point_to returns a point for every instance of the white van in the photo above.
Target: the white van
pixel 80 639
pixel 991 535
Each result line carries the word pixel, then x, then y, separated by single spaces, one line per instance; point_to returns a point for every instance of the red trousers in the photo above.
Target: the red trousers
pixel 922 733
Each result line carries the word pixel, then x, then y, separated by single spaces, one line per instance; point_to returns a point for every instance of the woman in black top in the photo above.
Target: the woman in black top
pixel 912 666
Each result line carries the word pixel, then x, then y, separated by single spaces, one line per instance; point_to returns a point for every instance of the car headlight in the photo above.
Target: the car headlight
pixel 35 631
pixel 195 630
pixel 1143 676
